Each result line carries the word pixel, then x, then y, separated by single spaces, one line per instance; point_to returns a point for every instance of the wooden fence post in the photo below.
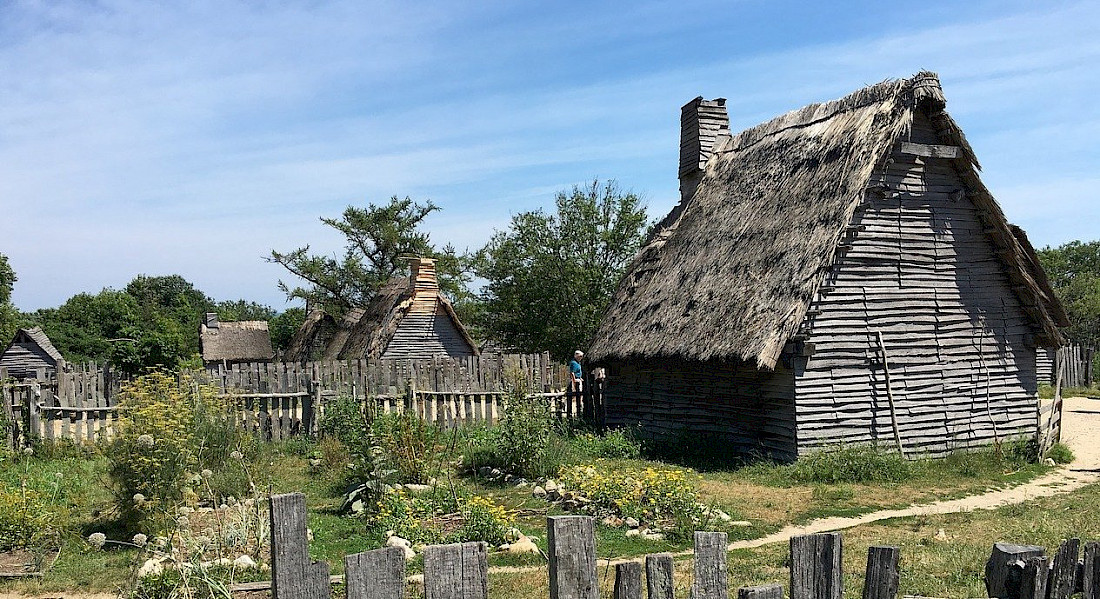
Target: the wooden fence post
pixel 881 581
pixel 1064 574
pixel 710 566
pixel 1090 575
pixel 770 591
pixel 658 575
pixel 377 574
pixel 456 571
pixel 628 581
pixel 1033 581
pixel 572 552
pixel 998 569
pixel 293 575
pixel 816 571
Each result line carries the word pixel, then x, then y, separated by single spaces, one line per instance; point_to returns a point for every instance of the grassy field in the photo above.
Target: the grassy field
pixel 767 496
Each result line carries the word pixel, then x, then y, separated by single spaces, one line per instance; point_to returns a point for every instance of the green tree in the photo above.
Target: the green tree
pixel 1074 272
pixel 283 326
pixel 9 316
pixel 550 277
pixel 234 310
pixel 378 239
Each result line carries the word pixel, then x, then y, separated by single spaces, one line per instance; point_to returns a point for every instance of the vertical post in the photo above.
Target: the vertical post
pixel 1064 574
pixel 457 571
pixel 572 553
pixel 999 566
pixel 771 591
pixel 882 577
pixel 293 575
pixel 658 575
pixel 377 574
pixel 1033 581
pixel 710 566
pixel 816 571
pixel 1090 579
pixel 628 581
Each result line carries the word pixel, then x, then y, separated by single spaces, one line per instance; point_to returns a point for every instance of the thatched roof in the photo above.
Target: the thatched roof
pixel 37 336
pixel 302 343
pixel 242 341
pixel 731 273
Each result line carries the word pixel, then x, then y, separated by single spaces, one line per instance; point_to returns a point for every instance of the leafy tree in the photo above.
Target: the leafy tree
pixel 550 277
pixel 379 238
pixel 243 310
pixel 92 327
pixel 1074 272
pixel 284 325
pixel 9 316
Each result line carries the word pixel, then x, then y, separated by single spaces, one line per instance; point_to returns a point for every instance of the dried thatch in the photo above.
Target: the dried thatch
pixel 38 336
pixel 372 331
pixel 316 330
pixel 243 341
pixel 732 272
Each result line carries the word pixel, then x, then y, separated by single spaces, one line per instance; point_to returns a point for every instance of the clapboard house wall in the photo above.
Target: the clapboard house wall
pixel 918 266
pixel 427 332
pixel 732 406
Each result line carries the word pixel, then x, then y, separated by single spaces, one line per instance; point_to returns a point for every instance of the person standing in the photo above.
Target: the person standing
pixel 576 375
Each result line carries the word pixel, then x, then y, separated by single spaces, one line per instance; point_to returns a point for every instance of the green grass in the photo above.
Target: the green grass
pixel 1047 391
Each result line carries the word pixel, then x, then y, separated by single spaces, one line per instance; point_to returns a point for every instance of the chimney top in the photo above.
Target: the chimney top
pixel 422 277
pixel 702 123
pixel 211 320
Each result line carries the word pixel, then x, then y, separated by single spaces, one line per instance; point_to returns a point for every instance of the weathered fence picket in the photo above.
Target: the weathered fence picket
pixel 572 552
pixel 377 574
pixel 882 578
pixel 456 571
pixel 816 566
pixel 658 574
pixel 770 591
pixel 293 574
pixel 628 581
pixel 710 566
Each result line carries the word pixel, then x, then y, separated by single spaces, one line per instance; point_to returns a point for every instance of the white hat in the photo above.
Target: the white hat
pixel 578 353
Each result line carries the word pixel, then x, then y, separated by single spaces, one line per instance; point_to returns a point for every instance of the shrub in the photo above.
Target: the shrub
pixel 27 518
pixel 344 420
pixel 409 445
pixel 429 517
pixel 1060 453
pixel 616 444
pixel 649 495
pixel 849 464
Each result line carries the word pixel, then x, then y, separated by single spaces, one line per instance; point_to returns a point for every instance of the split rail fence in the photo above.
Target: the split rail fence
pixel 278 400
pixel 460 571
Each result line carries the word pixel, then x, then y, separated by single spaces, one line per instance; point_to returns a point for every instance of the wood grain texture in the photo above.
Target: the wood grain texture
pixel 628 581
pixel 571 541
pixel 293 574
pixel 770 591
pixel 998 568
pixel 658 575
pixel 711 577
pixel 816 566
pixel 377 574
pixel 1090 573
pixel 1063 574
pixel 882 577
pixel 456 571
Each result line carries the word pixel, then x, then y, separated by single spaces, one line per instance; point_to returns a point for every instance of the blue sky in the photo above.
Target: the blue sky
pixel 192 138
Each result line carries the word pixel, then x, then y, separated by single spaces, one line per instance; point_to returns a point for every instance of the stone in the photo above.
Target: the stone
pixel 405 544
pixel 550 485
pixel 941 535
pixel 652 535
pixel 632 522
pixel 612 521
pixel 522 484
pixel 523 546
pixel 1049 462
pixel 741 523
pixel 538 492
pixel 495 473
pixel 634 532
pixel 723 516
pixel 244 562
pixel 415 488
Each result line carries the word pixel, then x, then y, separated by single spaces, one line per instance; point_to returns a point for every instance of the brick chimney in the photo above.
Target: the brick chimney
pixel 701 123
pixel 211 320
pixel 422 276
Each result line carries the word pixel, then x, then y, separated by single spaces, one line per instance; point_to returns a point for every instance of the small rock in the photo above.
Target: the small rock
pixel 550 486
pixel 151 567
pixel 504 546
pixel 495 473
pixel 508 478
pixel 415 488
pixel 402 543
pixel 612 521
pixel 521 480
pixel 522 484
pixel 513 534
pixel 633 532
pixel 538 492
pixel 244 563
pixel 941 535
pixel 1049 462
pixel 522 546
pixel 651 535
pixel 723 516
pixel 569 505
pixel 315 463
pixel 632 522
pixel 741 523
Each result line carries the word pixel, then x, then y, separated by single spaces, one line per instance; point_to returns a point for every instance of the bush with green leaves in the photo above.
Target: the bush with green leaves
pixel 344 421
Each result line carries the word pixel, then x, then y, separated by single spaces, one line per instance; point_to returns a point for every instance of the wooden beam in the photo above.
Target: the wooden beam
pixel 929 150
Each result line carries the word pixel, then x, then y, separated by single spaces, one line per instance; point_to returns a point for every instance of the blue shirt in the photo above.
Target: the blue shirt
pixel 575 368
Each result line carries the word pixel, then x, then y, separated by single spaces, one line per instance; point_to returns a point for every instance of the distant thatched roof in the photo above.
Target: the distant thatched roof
pixel 301 344
pixel 243 341
pixel 37 336
pixel 732 272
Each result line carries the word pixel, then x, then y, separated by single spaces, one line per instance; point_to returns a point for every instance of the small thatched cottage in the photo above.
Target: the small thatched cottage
pixel 29 351
pixel 839 274
pixel 234 342
pixel 408 318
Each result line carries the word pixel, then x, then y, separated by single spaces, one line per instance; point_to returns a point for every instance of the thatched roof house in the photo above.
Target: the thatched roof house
pixel 754 314
pixel 407 318
pixel 234 342
pixel 30 350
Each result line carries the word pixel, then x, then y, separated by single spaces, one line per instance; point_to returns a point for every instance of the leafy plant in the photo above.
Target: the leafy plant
pixel 1060 453
pixel 344 421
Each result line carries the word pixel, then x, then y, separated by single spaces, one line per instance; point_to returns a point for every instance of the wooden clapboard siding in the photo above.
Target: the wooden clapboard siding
pixel 1044 364
pixel 427 331
pixel 918 266
pixel 22 359
pixel 743 409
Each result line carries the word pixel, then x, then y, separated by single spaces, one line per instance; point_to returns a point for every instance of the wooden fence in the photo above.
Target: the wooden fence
pixel 1075 362
pixel 280 400
pixel 460 571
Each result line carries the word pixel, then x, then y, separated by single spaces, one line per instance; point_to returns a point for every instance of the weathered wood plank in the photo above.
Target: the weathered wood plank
pixel 710 566
pixel 882 578
pixel 658 575
pixel 293 575
pixel 770 591
pixel 1064 572
pixel 456 571
pixel 816 570
pixel 1033 580
pixel 998 567
pixel 929 150
pixel 628 581
pixel 377 574
pixel 572 552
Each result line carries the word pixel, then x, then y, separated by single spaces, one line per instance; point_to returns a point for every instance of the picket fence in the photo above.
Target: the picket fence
pixel 280 400
pixel 460 570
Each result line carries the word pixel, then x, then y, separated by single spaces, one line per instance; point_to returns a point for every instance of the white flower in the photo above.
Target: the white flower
pixel 140 540
pixel 139 498
pixel 97 539
pixel 183 522
pixel 160 542
pixel 28 451
pixel 58 475
pixel 207 473
pixel 236 455
pixel 146 440
pixel 184 510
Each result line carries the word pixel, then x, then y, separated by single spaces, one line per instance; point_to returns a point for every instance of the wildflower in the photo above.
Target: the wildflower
pixel 207 473
pixel 236 455
pixel 185 510
pixel 97 539
pixel 160 542
pixel 139 498
pixel 183 522
pixel 140 540
pixel 28 451
pixel 58 475
pixel 146 440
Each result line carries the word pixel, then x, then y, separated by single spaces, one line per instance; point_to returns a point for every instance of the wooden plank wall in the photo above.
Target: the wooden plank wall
pixel 23 359
pixel 737 407
pixel 426 333
pixel 78 405
pixel 918 266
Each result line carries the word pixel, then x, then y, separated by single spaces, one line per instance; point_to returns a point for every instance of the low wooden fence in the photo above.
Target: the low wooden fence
pixel 281 400
pixel 460 571
pixel 1075 362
